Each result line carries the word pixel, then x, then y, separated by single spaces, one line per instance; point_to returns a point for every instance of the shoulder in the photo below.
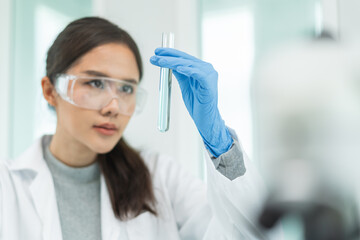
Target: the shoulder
pixel 21 170
pixel 4 171
pixel 6 178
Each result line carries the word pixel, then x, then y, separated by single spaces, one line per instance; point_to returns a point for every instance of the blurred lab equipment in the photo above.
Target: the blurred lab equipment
pixel 165 87
pixel 306 101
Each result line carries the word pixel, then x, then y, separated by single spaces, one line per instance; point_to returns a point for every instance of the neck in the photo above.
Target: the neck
pixel 70 151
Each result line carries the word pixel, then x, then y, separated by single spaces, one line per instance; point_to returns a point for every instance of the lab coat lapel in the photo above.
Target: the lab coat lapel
pixel 41 189
pixel 43 194
pixel 111 227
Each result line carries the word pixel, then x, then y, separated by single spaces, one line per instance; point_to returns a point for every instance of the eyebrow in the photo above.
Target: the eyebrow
pixel 100 74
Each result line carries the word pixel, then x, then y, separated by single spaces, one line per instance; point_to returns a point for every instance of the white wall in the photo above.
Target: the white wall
pixel 145 21
pixel 5 21
pixel 349 20
pixel 342 18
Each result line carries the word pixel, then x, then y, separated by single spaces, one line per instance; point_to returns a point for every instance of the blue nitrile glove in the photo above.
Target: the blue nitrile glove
pixel 198 84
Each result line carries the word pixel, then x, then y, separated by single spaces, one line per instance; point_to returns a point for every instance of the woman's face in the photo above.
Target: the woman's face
pixel 86 126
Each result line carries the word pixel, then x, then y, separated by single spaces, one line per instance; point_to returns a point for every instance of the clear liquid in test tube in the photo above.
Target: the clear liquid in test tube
pixel 165 87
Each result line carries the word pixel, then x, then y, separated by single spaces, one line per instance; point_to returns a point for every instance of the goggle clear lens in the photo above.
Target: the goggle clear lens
pixel 97 92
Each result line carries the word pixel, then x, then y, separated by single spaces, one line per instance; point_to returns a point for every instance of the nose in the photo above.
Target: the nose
pixel 111 109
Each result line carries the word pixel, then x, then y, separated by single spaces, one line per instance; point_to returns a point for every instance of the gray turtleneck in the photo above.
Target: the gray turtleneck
pixel 78 197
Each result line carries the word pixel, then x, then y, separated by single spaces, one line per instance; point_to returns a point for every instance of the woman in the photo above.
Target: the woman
pixel 85 182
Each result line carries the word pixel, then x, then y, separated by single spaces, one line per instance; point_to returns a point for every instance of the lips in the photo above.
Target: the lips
pixel 109 126
pixel 107 129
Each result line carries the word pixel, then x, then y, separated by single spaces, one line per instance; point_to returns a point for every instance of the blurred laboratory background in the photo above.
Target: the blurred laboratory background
pixel 234 35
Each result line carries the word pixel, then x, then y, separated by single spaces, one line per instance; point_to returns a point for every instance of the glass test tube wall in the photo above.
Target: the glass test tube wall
pixel 165 87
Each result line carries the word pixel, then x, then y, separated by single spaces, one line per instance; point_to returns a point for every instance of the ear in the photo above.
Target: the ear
pixel 49 91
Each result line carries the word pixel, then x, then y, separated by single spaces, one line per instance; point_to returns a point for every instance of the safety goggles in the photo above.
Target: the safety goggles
pixel 97 92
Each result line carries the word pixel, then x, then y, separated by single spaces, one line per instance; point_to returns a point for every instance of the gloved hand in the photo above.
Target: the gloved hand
pixel 198 84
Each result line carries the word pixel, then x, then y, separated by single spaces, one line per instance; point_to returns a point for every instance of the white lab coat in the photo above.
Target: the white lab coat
pixel 226 210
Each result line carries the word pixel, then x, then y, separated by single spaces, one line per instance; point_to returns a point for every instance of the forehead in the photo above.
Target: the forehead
pixel 113 59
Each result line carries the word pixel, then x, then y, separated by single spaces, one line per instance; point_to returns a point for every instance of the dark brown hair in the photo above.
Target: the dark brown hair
pixel 127 177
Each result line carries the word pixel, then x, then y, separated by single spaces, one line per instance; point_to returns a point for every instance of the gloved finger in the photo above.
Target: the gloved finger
pixel 195 79
pixel 195 73
pixel 183 82
pixel 171 52
pixel 172 62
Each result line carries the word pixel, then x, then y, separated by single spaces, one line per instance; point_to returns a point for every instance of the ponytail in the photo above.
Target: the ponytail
pixel 128 181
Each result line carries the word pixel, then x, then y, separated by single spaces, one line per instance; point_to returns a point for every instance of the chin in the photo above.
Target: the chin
pixel 102 145
pixel 104 149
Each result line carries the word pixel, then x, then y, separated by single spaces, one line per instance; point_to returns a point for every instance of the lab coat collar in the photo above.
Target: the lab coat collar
pixel 32 159
pixel 43 193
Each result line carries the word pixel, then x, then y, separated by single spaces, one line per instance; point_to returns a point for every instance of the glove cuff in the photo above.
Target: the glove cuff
pixel 221 140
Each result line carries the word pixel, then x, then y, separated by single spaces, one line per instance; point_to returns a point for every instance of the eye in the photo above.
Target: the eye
pixel 127 89
pixel 97 83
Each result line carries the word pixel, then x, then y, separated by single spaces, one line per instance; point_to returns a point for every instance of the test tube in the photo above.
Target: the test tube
pixel 165 87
